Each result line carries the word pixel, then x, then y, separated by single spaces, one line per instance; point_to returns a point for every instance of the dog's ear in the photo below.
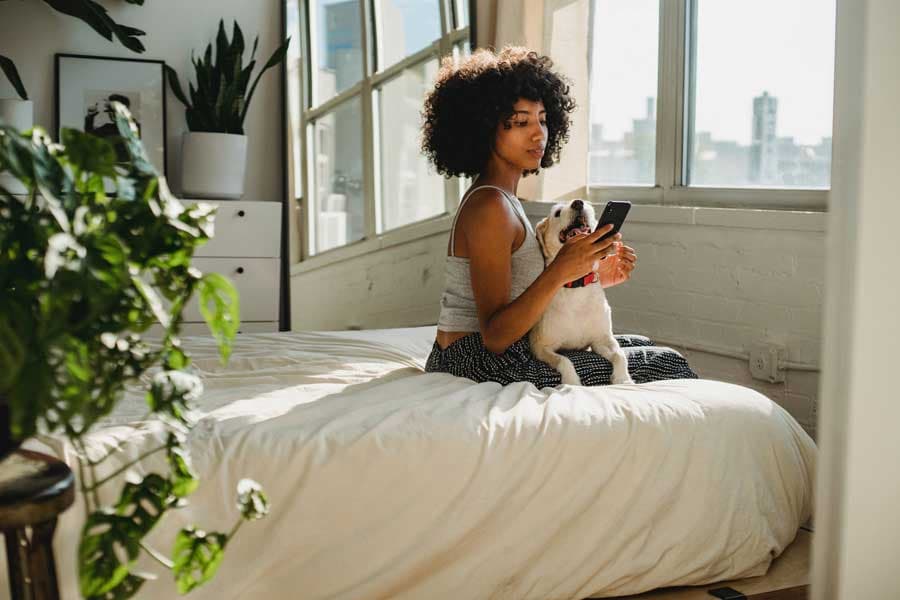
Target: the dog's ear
pixel 540 229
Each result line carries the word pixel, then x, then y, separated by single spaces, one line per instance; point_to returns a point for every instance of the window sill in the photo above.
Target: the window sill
pixel 388 239
pixel 748 218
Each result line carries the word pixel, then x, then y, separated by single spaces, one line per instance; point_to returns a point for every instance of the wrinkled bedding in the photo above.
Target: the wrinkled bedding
pixel 387 482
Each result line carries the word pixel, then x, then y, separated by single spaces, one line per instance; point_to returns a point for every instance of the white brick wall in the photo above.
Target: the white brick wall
pixel 726 288
pixel 394 287
pixel 713 287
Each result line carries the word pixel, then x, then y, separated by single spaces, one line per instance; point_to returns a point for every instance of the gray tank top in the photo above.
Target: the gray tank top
pixel 458 311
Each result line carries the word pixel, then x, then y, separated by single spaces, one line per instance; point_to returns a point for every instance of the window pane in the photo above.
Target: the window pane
pixel 461 10
pixel 405 27
pixel 410 188
pixel 337 177
pixel 339 49
pixel 763 99
pixel 623 92
pixel 461 50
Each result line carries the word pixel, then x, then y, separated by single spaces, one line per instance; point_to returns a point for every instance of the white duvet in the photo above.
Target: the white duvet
pixel 387 482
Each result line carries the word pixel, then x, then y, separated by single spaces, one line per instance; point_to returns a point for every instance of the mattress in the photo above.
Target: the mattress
pixel 388 482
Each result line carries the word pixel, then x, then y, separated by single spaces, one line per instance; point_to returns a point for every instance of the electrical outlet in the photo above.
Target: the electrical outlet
pixel 765 361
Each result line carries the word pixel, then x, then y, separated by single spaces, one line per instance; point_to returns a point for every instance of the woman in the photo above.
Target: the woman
pixel 497 118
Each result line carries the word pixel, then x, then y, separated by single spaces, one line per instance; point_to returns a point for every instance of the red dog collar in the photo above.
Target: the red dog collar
pixel 587 279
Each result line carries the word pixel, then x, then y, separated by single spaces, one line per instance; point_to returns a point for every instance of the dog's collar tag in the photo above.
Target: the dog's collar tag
pixel 591 277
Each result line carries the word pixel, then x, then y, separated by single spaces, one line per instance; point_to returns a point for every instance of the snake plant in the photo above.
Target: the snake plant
pixel 220 100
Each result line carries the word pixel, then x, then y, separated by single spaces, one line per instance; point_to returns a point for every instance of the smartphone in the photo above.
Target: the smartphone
pixel 614 212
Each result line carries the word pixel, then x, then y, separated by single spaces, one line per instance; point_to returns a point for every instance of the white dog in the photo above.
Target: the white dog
pixel 577 317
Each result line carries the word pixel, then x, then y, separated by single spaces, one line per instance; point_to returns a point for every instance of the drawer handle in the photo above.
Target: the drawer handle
pixel 241 213
pixel 240 269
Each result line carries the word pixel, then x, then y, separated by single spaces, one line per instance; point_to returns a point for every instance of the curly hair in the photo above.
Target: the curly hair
pixel 469 100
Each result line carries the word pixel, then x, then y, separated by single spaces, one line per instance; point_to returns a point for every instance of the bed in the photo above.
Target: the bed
pixel 387 482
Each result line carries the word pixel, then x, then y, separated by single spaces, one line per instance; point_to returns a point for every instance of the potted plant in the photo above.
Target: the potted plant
pixel 82 275
pixel 214 150
pixel 19 112
pixel 16 112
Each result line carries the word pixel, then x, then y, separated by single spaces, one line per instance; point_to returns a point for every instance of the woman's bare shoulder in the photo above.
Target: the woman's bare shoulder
pixel 487 207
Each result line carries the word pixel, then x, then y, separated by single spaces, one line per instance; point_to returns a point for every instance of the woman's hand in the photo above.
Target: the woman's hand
pixel 617 268
pixel 579 255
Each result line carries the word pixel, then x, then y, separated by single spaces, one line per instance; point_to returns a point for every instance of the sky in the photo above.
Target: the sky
pixel 744 47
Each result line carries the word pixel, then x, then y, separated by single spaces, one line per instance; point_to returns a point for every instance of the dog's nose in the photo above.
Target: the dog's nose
pixel 578 205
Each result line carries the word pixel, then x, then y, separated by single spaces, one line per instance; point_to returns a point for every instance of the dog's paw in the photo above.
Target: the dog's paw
pixel 571 379
pixel 622 379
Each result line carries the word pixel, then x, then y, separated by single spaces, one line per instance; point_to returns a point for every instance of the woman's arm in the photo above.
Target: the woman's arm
pixel 490 228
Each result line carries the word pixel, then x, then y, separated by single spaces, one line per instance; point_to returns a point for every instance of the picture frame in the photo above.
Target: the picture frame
pixel 85 85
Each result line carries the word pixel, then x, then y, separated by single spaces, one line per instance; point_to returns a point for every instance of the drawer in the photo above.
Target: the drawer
pixel 256 280
pixel 244 229
pixel 202 329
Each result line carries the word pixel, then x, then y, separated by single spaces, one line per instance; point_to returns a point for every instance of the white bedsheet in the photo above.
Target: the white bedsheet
pixel 386 482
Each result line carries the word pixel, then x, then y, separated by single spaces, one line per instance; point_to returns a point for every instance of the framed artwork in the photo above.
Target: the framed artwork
pixel 86 85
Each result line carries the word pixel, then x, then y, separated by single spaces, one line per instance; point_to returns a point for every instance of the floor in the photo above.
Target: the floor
pixel 787 579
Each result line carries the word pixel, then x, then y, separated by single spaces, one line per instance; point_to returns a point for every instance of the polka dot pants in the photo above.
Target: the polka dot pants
pixel 467 357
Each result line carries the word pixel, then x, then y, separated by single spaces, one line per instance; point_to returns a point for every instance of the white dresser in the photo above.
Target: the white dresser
pixel 246 248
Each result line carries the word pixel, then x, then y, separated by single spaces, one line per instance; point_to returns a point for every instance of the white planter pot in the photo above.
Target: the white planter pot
pixel 19 114
pixel 213 165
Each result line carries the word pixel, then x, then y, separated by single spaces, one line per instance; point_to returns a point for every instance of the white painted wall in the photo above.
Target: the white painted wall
pixel 701 286
pixel 858 488
pixel 31 33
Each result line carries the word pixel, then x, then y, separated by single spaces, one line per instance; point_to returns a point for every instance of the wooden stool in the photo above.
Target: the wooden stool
pixel 34 489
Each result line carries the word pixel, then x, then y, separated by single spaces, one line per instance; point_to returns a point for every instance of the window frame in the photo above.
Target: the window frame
pixel 365 89
pixel 677 44
pixel 676 74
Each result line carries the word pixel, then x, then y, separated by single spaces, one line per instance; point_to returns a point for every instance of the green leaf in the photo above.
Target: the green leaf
pixel 197 556
pixel 255 45
pixel 126 588
pixel 105 537
pixel 144 503
pixel 9 69
pixel 153 301
pixel 276 58
pixel 89 152
pixel 237 46
pixel 30 397
pixel 224 318
pixel 173 392
pixel 12 354
pixel 139 161
pixel 176 359
pixel 252 501
pixel 172 76
pixel 99 20
pixel 184 481
pixel 222 53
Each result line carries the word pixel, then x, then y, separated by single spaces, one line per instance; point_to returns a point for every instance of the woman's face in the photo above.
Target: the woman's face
pixel 521 139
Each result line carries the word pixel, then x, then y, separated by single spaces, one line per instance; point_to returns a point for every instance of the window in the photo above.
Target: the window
pixel 404 27
pixel 410 188
pixel 337 198
pixel 367 67
pixel 771 125
pixel 338 55
pixel 734 95
pixel 623 92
